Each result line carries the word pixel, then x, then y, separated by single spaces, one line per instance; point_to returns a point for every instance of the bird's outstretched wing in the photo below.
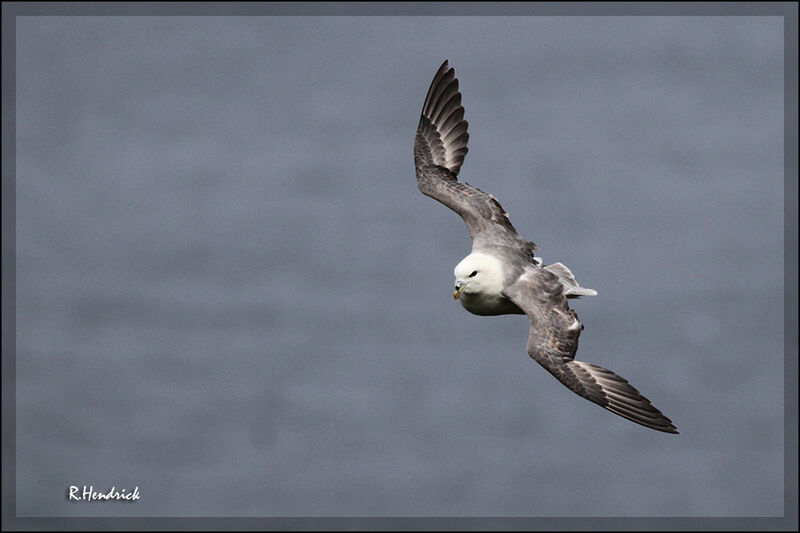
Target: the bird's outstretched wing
pixel 439 150
pixel 553 341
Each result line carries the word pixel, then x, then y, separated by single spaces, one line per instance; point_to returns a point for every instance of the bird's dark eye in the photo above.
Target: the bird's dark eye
pixel 473 274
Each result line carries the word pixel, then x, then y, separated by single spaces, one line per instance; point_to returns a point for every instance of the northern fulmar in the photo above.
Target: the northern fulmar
pixel 502 275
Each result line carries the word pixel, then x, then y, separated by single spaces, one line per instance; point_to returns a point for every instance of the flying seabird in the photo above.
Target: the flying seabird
pixel 502 276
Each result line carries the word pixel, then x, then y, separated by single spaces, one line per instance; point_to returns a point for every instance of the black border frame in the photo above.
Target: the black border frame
pixel 787 10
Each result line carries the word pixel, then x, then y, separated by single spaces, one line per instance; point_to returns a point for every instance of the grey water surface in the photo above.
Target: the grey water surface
pixel 231 294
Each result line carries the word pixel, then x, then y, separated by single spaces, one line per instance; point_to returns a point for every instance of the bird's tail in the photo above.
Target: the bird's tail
pixel 572 288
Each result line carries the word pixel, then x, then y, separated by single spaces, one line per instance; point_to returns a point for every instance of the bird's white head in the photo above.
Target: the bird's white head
pixel 479 274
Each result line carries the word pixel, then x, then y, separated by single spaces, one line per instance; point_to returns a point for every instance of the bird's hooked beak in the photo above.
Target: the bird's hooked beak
pixel 458 289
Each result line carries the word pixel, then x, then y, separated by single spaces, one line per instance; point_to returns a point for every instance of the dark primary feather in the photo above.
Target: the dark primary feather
pixel 442 133
pixel 553 341
pixel 439 150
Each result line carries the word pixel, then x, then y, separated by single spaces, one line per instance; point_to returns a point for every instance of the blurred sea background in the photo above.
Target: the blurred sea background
pixel 231 294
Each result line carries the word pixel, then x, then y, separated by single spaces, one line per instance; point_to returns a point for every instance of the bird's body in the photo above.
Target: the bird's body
pixel 502 276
